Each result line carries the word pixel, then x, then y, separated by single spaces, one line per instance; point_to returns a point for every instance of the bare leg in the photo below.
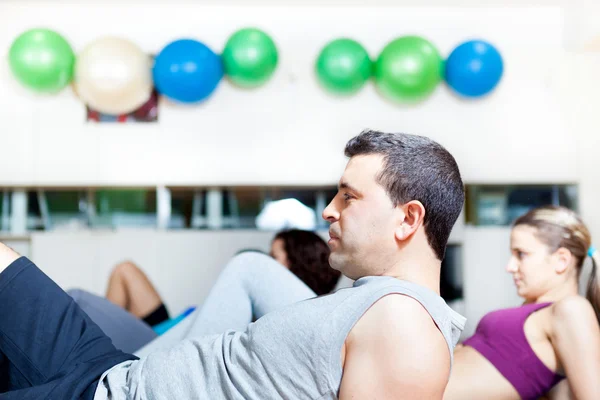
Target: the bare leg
pixel 7 256
pixel 130 288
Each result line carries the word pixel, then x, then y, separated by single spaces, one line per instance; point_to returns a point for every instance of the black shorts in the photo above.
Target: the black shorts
pixel 160 314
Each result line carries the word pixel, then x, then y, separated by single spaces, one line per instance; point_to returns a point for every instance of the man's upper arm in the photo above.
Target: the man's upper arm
pixel 395 351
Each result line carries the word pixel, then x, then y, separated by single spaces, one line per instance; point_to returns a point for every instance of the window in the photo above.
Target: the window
pixel 502 204
pixel 180 207
pixel 125 207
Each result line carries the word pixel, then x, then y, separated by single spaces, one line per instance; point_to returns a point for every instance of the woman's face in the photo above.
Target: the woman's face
pixel 531 263
pixel 278 252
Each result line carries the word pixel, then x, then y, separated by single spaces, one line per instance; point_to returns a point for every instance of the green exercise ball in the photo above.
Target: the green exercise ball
pixel 249 58
pixel 42 60
pixel 343 66
pixel 408 69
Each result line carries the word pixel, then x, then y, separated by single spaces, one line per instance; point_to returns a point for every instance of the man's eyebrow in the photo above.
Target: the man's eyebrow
pixel 346 185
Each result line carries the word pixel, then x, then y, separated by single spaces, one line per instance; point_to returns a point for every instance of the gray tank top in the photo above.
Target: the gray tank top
pixel 291 353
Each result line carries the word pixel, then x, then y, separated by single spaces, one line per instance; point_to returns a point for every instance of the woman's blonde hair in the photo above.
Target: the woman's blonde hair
pixel 559 227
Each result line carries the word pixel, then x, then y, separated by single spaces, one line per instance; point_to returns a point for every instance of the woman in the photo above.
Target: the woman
pixel 249 286
pixel 523 352
pixel 306 255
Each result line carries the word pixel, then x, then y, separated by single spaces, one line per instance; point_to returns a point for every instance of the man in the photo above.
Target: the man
pixel 390 336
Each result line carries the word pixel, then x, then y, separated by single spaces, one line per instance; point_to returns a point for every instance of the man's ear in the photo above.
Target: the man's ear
pixel 410 217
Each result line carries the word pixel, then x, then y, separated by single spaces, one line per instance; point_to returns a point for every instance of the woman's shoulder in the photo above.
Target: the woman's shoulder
pixel 570 305
pixel 573 309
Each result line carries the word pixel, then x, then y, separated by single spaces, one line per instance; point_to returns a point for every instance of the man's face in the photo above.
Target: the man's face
pixel 363 221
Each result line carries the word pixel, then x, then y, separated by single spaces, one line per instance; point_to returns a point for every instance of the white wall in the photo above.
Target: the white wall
pixel 541 125
pixel 580 98
pixel 582 24
pixel 487 285
pixel 267 136
pixel 183 265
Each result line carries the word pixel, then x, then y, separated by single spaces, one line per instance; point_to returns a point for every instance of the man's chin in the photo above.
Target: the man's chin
pixel 336 262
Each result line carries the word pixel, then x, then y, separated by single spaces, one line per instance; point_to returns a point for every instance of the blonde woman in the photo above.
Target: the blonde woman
pixel 523 352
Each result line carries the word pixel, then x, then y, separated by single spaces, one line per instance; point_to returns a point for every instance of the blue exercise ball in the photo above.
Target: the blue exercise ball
pixel 187 71
pixel 474 68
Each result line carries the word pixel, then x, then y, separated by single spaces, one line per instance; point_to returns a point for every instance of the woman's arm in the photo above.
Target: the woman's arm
pixel 559 392
pixel 576 339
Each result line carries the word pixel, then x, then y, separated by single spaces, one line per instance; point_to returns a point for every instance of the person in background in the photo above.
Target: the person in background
pixel 523 352
pixel 303 253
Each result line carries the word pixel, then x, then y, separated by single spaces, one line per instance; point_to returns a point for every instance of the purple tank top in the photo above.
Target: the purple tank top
pixel 500 337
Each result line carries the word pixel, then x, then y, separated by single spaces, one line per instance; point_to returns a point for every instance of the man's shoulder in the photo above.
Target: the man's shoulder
pixel 397 313
pixel 400 336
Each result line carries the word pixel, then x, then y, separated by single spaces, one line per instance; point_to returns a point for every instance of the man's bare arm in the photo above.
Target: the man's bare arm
pixel 395 351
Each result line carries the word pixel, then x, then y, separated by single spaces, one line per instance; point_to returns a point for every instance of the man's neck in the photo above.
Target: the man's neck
pixel 423 270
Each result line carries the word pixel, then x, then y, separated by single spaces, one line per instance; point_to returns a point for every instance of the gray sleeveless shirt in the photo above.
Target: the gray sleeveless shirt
pixel 291 353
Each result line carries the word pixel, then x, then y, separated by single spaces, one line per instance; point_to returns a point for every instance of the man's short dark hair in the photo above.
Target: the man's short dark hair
pixel 417 168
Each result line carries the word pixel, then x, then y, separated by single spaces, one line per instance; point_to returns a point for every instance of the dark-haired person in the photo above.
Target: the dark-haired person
pixel 389 335
pixel 248 287
pixel 306 255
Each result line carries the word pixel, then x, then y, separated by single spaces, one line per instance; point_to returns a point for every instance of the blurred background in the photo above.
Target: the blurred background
pixel 166 132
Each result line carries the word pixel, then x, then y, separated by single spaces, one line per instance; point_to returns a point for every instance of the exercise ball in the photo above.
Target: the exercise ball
pixel 187 71
pixel 408 69
pixel 474 68
pixel 42 60
pixel 113 76
pixel 343 66
pixel 249 58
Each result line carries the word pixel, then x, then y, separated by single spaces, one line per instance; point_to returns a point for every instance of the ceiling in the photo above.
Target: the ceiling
pixel 383 3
